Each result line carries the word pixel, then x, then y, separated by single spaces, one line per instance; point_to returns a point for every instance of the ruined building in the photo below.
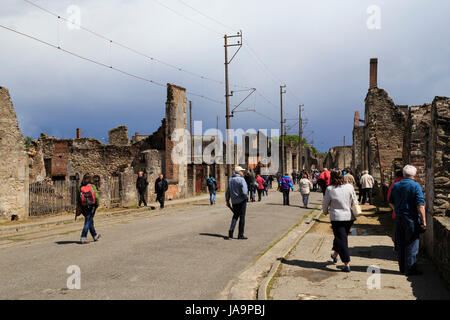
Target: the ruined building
pixel 394 135
pixel 13 162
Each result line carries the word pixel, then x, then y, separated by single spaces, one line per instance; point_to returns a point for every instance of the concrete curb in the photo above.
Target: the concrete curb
pixel 258 274
pixel 262 290
pixel 9 230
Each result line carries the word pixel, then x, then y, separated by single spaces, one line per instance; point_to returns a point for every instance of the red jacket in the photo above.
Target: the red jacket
pixel 326 175
pixel 261 182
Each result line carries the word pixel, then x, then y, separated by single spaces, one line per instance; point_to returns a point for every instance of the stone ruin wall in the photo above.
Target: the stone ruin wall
pixel 338 157
pixel 176 118
pixel 14 170
pixel 437 193
pixel 119 136
pixel 384 134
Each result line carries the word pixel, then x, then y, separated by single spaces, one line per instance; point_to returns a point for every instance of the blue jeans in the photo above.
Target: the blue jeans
pixel 89 223
pixel 407 241
pixel 239 213
pixel 305 198
pixel 212 196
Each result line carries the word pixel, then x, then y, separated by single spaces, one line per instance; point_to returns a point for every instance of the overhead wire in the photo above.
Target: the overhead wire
pixel 101 63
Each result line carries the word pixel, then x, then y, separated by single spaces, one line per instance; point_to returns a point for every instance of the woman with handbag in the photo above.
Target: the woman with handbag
pixel 338 202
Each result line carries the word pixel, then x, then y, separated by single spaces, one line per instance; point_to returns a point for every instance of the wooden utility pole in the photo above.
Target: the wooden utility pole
pixel 282 131
pixel 344 154
pixel 192 133
pixel 228 95
pixel 300 139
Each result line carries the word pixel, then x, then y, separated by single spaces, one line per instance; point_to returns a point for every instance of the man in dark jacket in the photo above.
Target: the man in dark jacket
pixel 161 187
pixel 141 186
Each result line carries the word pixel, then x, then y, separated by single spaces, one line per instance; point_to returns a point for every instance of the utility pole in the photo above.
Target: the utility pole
pixel 300 137
pixel 228 95
pixel 344 154
pixel 282 131
pixel 192 133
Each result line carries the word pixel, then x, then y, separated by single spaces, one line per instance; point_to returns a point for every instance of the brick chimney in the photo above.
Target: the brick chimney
pixel 78 133
pixel 356 120
pixel 373 72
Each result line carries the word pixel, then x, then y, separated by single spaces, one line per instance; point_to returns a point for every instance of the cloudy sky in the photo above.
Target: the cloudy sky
pixel 319 49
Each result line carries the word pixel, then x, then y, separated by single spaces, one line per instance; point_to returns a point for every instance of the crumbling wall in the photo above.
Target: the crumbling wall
pixel 357 147
pixel 14 175
pixel 414 143
pixel 437 237
pixel 119 136
pixel 176 118
pixel 384 133
pixel 339 157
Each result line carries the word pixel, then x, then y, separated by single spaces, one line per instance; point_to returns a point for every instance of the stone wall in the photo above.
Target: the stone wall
pixel 176 118
pixel 384 134
pixel 119 136
pixel 357 147
pixel 437 237
pixel 339 157
pixel 13 162
pixel 414 142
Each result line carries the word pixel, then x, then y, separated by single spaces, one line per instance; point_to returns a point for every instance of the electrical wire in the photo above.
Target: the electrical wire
pixel 126 47
pixel 101 63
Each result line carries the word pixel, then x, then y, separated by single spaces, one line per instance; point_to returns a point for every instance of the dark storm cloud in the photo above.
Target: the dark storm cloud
pixel 319 49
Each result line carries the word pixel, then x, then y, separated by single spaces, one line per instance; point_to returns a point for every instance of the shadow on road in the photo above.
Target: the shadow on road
pixel 324 266
pixel 214 235
pixel 67 242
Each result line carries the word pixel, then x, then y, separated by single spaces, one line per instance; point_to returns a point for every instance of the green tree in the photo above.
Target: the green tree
pixel 28 141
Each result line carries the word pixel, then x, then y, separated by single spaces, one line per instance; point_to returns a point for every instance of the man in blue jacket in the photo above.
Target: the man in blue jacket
pixel 407 200
pixel 237 193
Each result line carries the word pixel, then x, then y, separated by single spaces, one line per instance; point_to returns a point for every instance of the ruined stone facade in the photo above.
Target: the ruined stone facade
pixel 14 175
pixel 393 136
pixel 119 136
pixel 339 157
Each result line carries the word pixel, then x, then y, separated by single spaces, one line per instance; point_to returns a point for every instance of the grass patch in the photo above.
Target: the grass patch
pixel 272 281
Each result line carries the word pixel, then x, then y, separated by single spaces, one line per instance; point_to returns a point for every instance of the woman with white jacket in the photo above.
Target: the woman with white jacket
pixel 305 186
pixel 338 203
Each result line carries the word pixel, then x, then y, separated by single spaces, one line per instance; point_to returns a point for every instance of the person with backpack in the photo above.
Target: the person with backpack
pixel 285 186
pixel 88 202
pixel 266 185
pixel 161 187
pixel 141 186
pixel 212 187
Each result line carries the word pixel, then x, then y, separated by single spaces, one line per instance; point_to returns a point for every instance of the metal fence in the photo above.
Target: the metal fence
pixel 52 198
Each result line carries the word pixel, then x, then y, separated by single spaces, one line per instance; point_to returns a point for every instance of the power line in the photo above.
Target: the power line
pixel 101 63
pixel 126 47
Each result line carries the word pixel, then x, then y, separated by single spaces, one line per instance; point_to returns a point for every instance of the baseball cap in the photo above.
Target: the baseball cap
pixel 238 168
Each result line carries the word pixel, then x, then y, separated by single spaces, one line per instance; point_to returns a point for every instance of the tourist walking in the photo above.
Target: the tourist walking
pixel 349 179
pixel 337 202
pixel 305 186
pixel 367 183
pixel 237 194
pixel 266 185
pixel 88 202
pixel 141 186
pixel 407 199
pixel 398 177
pixel 260 181
pixel 161 187
pixel 212 188
pixel 285 186
pixel 324 180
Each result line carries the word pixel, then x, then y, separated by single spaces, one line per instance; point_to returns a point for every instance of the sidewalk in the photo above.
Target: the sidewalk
pixel 9 228
pixel 308 273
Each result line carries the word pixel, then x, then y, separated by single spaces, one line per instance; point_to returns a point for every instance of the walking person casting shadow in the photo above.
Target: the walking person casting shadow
pixel 237 193
pixel 337 202
pixel 87 204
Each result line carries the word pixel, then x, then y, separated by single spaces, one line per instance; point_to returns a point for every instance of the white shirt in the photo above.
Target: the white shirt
pixel 339 200
pixel 367 181
pixel 305 186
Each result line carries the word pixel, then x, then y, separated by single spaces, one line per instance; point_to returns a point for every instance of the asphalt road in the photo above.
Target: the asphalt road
pixel 181 254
